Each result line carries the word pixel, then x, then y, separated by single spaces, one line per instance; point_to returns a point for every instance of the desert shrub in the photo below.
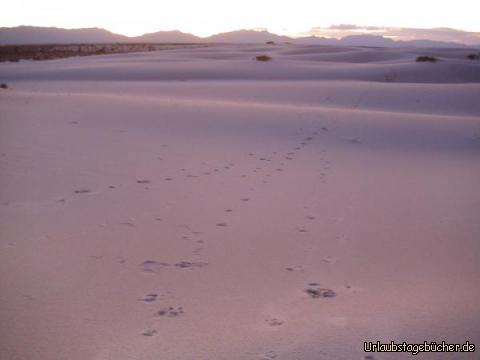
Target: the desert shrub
pixel 270 43
pixel 473 56
pixel 263 58
pixel 3 86
pixel 426 59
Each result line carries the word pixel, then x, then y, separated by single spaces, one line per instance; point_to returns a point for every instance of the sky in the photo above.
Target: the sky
pixel 207 17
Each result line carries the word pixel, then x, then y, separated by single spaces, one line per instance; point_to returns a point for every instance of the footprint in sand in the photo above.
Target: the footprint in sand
pixel 331 260
pixel 149 298
pixel 295 268
pixel 274 322
pixel 269 355
pixel 198 251
pixel 353 140
pixel 315 291
pixel 149 332
pixel 170 312
pixel 152 266
pixel 82 191
pixel 189 265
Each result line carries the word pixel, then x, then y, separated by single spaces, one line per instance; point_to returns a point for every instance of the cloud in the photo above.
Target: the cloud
pixel 354 27
pixel 405 34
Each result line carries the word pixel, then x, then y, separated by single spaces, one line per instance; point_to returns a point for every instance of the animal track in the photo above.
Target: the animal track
pixel 188 264
pixel 149 298
pixel 152 265
pixel 353 140
pixel 170 312
pixel 330 259
pixel 269 355
pixel 315 292
pixel 294 268
pixel 149 332
pixel 274 322
pixel 82 191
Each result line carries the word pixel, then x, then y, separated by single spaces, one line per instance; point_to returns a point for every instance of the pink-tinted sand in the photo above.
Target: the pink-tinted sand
pixel 177 205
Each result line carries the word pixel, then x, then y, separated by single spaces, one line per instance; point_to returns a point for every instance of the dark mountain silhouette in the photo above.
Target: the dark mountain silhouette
pixel 174 36
pixel 376 41
pixel 367 40
pixel 432 43
pixel 247 36
pixel 52 35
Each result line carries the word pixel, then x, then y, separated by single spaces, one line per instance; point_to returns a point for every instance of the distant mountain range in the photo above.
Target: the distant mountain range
pixel 51 35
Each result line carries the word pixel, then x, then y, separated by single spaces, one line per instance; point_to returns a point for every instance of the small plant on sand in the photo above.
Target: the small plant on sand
pixel 270 43
pixel 473 56
pixel 3 86
pixel 426 59
pixel 263 58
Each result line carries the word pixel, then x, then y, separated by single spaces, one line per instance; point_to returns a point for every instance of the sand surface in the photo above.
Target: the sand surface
pixel 177 205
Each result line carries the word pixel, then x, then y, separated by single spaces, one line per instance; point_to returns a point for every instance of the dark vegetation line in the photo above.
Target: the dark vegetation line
pixel 15 53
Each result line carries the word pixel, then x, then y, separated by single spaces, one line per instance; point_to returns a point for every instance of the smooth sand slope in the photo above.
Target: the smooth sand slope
pixel 196 204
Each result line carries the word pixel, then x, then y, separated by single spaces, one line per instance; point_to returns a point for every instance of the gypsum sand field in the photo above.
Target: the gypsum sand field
pixel 199 204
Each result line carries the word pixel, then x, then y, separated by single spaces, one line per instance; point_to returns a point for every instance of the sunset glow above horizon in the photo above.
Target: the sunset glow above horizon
pixel 204 18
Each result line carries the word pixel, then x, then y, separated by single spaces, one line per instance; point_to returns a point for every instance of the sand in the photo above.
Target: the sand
pixel 195 204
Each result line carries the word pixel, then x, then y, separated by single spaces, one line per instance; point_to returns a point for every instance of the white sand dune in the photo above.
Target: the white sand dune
pixel 235 63
pixel 177 205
